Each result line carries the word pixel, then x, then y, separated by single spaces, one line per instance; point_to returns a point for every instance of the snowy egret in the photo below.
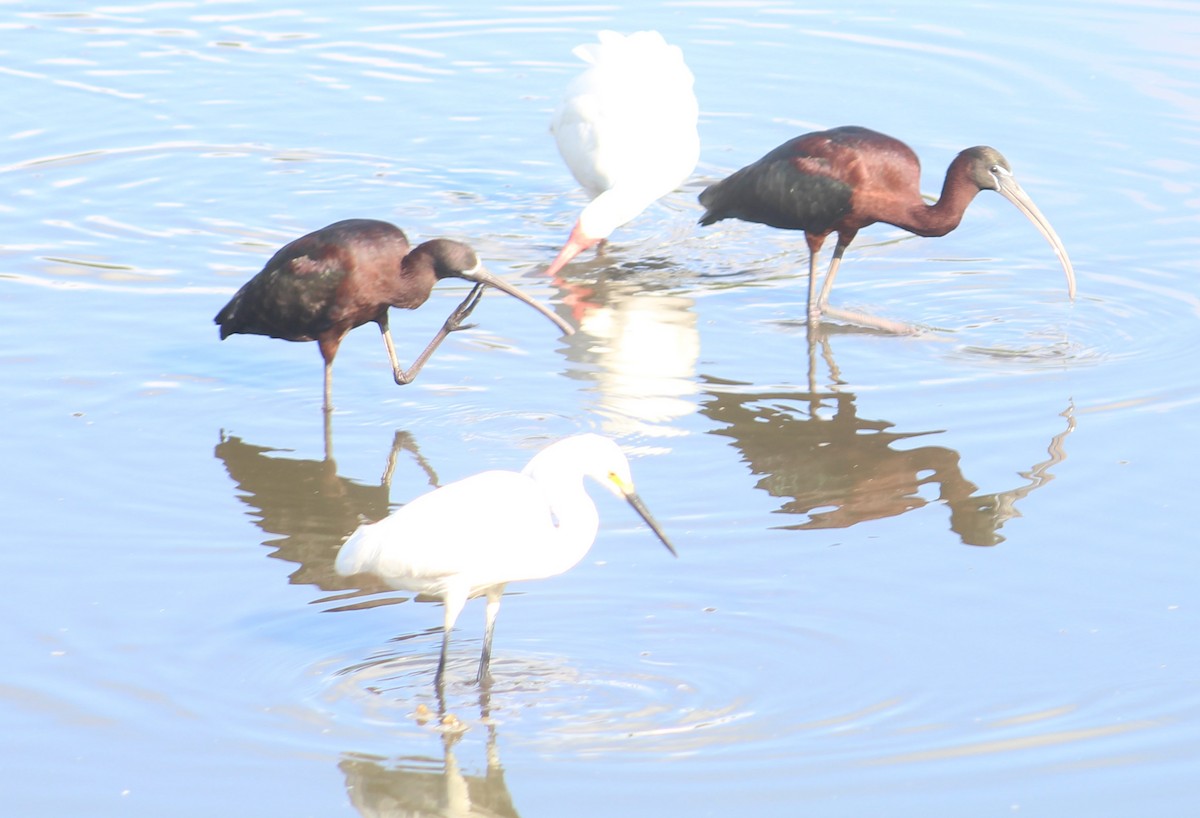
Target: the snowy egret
pixel 841 180
pixel 324 284
pixel 627 131
pixel 471 537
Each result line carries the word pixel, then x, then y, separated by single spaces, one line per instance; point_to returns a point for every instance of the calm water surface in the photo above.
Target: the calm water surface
pixel 946 575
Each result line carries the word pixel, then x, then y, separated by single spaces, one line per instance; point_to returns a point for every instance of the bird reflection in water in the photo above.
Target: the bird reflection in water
pixel 306 506
pixel 638 342
pixel 626 129
pixel 414 787
pixel 812 449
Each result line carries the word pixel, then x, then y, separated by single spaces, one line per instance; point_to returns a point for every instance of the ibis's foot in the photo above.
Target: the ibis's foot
pixel 454 322
pixel 874 322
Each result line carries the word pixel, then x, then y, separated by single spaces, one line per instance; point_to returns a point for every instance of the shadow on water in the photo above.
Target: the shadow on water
pixel 813 450
pixel 306 506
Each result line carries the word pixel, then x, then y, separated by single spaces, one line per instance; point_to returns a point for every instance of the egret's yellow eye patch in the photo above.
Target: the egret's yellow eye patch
pixel 620 483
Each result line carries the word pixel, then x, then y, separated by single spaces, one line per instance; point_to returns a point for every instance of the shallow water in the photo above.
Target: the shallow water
pixel 945 574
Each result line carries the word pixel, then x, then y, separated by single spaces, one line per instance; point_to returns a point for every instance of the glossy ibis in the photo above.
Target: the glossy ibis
pixel 841 180
pixel 321 286
pixel 469 538
pixel 627 130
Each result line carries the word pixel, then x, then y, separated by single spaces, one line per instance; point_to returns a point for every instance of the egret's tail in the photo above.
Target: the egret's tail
pixel 358 552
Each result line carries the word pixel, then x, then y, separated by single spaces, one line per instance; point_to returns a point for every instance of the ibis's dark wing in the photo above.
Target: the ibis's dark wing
pixel 295 295
pixel 794 187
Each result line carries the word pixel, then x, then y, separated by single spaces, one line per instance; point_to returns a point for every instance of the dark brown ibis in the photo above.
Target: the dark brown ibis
pixel 321 286
pixel 841 180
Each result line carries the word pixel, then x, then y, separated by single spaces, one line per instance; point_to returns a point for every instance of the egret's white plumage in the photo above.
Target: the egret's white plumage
pixel 627 130
pixel 470 537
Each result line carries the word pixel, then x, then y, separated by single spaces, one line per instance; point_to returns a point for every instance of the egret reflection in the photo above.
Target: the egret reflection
pixel 417 786
pixel 638 342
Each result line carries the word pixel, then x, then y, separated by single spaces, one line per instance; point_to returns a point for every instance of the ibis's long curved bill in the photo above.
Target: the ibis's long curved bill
pixel 1009 189
pixel 644 513
pixel 482 276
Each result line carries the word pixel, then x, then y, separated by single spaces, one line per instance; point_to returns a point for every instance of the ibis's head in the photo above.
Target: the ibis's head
pixel 989 170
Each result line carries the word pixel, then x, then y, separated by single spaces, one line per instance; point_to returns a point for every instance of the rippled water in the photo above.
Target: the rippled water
pixel 944 574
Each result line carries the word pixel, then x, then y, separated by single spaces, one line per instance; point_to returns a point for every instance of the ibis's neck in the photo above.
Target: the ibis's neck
pixel 940 218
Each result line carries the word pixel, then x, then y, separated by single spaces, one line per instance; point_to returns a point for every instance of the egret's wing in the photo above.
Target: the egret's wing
pixel 470 527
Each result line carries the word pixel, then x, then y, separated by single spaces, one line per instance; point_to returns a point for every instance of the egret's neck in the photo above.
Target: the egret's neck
pixel 575 517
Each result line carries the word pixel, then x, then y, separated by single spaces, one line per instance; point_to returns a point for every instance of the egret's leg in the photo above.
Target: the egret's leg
pixel 493 608
pixel 453 323
pixel 439 677
pixel 453 602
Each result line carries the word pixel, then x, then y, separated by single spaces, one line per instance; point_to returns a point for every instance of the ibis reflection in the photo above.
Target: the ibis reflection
pixel 834 468
pixel 305 507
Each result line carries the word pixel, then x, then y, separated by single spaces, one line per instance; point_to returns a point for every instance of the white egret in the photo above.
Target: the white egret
pixel 471 537
pixel 627 131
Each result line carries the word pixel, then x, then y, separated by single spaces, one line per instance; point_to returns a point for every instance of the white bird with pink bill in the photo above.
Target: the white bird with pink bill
pixel 626 129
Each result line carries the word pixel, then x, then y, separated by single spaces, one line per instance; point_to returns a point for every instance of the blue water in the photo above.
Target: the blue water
pixel 952 574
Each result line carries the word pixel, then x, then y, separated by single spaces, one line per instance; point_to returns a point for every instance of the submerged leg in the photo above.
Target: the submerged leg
pixel 810 335
pixel 823 308
pixel 493 608
pixel 328 429
pixel 814 307
pixel 872 322
pixel 439 678
pixel 453 322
